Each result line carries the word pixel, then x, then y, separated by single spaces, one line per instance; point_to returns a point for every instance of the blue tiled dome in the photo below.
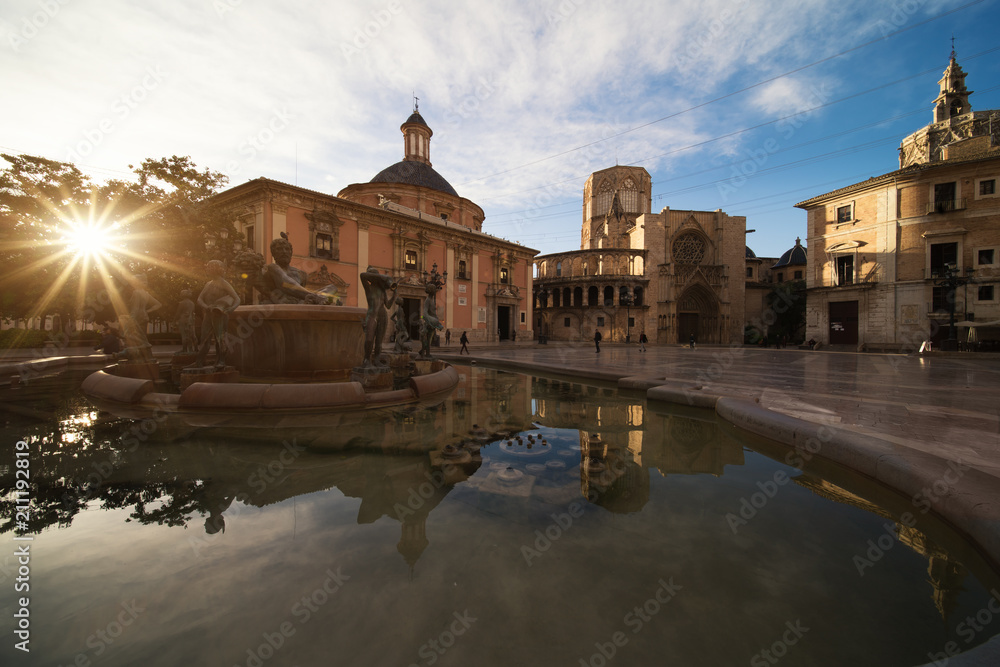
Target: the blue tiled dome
pixel 796 256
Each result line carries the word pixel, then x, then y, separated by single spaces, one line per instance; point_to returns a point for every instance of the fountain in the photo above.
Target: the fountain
pixel 294 351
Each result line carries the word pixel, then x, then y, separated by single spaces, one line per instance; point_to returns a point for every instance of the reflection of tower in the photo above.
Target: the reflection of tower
pixel 413 539
pixel 945 574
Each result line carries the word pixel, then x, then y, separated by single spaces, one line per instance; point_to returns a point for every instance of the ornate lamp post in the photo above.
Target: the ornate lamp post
pixel 951 281
pixel 627 300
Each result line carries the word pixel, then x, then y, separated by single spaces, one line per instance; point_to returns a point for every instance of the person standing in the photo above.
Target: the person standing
pixel 464 340
pixel 447 336
pixel 642 341
pixel 597 340
pixel 692 341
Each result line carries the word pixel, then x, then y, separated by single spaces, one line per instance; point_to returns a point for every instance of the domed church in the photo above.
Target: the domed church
pixel 405 221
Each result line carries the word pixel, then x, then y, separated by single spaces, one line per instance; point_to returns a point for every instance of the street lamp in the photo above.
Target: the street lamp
pixel 627 300
pixel 951 281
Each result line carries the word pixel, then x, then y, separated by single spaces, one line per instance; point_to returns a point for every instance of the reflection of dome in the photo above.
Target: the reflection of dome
pixel 795 256
pixel 750 254
pixel 411 172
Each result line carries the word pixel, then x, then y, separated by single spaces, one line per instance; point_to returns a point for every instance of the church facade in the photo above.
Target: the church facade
pixel 407 220
pixel 891 259
pixel 673 275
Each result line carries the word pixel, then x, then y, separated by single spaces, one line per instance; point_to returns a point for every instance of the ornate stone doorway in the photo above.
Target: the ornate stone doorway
pixel 698 314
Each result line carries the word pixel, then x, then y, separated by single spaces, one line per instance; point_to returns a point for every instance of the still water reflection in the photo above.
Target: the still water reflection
pixel 521 521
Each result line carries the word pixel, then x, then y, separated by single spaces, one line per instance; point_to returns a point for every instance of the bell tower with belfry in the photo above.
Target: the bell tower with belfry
pixel 953 98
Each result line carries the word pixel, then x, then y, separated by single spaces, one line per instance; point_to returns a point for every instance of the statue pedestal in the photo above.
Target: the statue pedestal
pixel 178 362
pixel 397 359
pixel 373 378
pixel 207 374
pixel 138 370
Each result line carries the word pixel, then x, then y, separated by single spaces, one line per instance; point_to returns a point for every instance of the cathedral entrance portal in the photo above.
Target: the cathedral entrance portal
pixel 687 326
pixel 698 315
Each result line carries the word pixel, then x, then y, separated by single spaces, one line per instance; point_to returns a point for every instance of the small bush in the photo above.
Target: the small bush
pixel 21 338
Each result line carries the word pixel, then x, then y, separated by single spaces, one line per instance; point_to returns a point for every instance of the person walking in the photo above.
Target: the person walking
pixel 464 340
pixel 692 341
pixel 597 339
pixel 642 341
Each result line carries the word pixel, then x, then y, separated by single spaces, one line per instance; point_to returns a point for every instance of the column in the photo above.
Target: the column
pixel 362 262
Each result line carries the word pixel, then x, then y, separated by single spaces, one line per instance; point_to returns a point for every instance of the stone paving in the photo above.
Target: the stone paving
pixel 947 405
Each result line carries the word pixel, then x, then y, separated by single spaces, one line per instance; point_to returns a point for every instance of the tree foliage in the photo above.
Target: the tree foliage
pixel 157 225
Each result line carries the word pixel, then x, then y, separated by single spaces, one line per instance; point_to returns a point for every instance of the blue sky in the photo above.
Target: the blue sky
pixel 526 99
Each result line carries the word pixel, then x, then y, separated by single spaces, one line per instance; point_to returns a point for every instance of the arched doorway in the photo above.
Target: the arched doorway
pixel 698 315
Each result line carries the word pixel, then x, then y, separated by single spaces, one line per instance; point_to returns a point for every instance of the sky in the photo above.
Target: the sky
pixel 748 106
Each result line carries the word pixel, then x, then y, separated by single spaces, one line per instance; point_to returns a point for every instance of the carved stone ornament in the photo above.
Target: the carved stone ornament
pixel 688 249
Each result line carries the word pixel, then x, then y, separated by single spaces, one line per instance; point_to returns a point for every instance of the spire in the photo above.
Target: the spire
pixel 953 96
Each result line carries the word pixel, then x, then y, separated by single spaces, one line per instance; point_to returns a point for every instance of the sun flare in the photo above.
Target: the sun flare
pixel 88 240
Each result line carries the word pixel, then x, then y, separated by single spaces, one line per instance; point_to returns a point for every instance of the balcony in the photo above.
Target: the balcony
pixel 946 206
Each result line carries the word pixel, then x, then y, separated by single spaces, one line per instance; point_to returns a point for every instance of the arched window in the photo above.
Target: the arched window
pixel 592 295
pixel 578 296
pixel 555 299
pixel 609 296
pixel 558 269
pixel 461 269
pixel 637 296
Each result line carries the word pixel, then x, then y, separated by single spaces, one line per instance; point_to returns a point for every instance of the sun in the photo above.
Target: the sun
pixel 88 240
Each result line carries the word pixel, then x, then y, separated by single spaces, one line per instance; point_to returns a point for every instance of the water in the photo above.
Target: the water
pixel 628 537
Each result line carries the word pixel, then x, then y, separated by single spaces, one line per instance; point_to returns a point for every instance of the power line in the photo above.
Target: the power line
pixel 881 87
pixel 731 94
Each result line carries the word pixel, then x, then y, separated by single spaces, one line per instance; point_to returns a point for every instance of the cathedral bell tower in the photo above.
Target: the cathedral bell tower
pixel 953 99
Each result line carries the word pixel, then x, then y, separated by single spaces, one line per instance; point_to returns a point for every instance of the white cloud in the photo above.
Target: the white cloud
pixel 503 84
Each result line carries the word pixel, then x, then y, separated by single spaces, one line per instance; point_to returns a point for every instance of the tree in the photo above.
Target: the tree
pixel 36 196
pixel 154 224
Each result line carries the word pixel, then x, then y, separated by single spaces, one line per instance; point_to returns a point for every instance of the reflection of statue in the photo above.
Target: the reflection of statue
pixel 402 334
pixel 217 300
pixel 376 285
pixel 282 283
pixel 134 324
pixel 185 322
pixel 429 322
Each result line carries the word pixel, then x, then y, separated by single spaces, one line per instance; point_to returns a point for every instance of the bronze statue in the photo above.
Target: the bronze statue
pixel 376 285
pixel 217 300
pixel 402 332
pixel 185 322
pixel 429 322
pixel 280 282
pixel 141 304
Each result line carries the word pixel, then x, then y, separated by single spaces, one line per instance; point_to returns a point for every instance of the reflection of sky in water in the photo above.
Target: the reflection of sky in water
pixel 412 554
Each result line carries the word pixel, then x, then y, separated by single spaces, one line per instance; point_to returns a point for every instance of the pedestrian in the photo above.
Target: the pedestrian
pixel 110 342
pixel 597 339
pixel 464 340
pixel 642 341
pixel 513 336
pixel 447 336
pixel 692 341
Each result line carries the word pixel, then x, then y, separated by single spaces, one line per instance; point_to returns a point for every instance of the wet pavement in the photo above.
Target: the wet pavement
pixel 947 405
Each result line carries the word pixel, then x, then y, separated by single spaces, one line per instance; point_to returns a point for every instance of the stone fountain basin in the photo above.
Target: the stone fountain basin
pixel 296 342
pixel 208 403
